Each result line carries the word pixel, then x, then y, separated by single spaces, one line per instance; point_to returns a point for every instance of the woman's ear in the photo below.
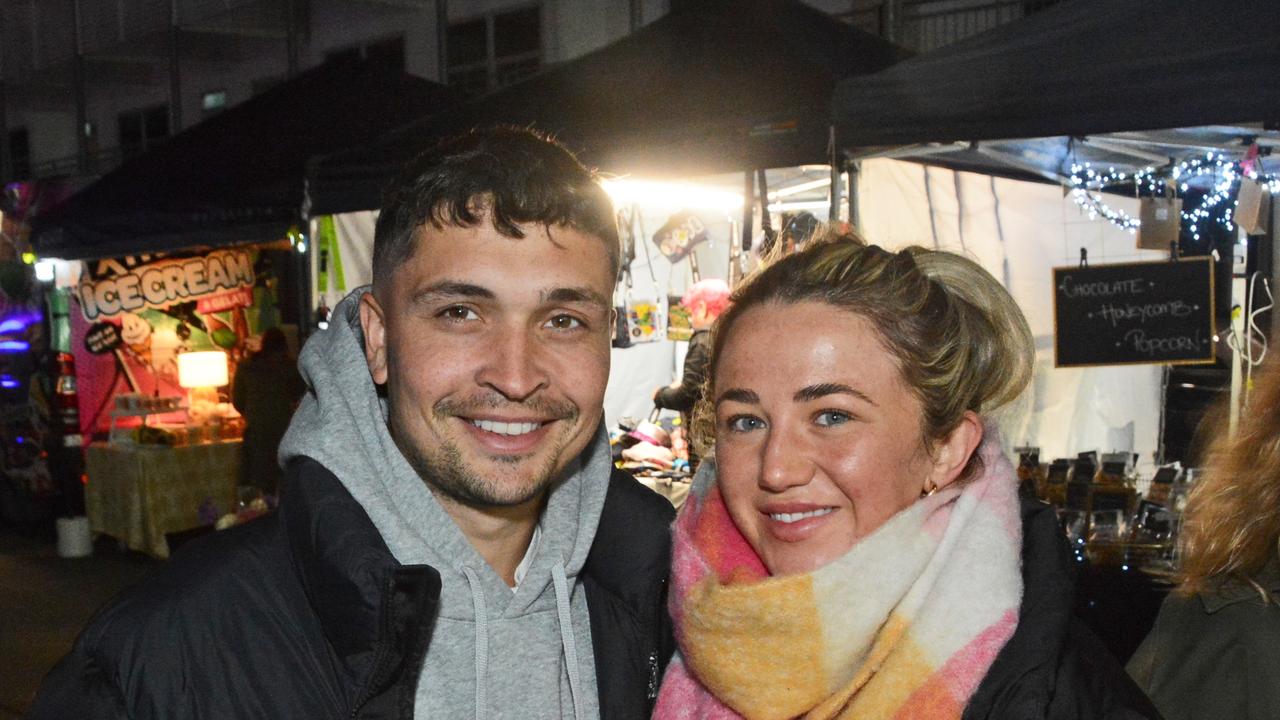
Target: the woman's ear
pixel 952 453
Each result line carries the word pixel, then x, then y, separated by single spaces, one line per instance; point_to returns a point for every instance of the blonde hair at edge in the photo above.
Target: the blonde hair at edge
pixel 1231 526
pixel 959 338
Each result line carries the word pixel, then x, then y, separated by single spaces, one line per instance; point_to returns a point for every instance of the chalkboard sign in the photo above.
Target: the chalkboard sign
pixel 1153 312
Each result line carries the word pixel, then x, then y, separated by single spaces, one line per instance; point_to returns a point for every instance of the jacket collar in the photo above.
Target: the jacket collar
pixel 376 613
pixel 632 546
pixel 1029 661
pixel 1237 591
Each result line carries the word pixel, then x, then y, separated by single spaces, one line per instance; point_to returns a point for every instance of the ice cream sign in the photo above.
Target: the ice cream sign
pixel 218 281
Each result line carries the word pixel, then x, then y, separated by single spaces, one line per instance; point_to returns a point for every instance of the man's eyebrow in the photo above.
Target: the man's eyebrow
pixel 813 392
pixel 741 395
pixel 446 289
pixel 574 295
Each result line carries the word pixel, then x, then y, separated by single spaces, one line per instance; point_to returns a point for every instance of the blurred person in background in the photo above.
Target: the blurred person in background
pixel 266 391
pixel 856 547
pixel 705 300
pixel 1214 651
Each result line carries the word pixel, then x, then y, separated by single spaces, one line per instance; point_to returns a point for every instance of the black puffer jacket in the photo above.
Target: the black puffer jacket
pixel 1053 667
pixel 306 614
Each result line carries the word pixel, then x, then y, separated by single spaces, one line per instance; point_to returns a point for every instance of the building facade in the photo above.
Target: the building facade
pixel 85 84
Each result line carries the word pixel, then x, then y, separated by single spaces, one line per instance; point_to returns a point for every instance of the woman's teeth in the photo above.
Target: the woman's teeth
pixel 797 517
pixel 505 428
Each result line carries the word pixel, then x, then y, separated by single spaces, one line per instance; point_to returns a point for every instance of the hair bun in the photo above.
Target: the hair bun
pixel 1003 345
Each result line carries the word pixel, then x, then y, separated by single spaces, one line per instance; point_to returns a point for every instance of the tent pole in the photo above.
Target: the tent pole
pixel 306 299
pixel 1273 227
pixel 855 175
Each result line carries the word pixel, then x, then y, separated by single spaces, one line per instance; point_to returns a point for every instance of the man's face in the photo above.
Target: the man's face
pixel 495 355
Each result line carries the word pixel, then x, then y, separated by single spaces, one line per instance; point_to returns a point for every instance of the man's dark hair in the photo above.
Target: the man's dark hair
pixel 506 175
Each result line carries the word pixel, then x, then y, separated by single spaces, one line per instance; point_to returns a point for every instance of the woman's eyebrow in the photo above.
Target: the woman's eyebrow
pixel 741 395
pixel 813 392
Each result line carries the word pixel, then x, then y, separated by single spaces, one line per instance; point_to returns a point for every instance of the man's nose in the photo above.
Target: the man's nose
pixel 785 462
pixel 513 365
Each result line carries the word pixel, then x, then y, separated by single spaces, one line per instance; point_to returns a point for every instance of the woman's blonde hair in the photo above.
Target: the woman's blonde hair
pixel 959 339
pixel 1231 526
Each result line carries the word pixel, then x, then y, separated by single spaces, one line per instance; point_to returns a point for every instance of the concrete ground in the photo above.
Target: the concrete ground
pixel 45 600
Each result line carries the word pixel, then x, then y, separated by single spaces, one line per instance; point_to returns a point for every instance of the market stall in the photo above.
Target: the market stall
pixel 1148 128
pixel 156 345
pixel 195 247
pixel 141 493
pixel 1075 97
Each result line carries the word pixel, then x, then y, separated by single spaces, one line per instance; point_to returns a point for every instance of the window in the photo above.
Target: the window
pixel 141 130
pixel 213 102
pixel 389 52
pixel 495 50
pixel 19 154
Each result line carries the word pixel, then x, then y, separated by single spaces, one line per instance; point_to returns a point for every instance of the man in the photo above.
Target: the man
pixel 452 539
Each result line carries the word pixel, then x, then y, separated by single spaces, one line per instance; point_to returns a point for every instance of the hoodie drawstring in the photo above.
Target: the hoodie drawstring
pixel 482 642
pixel 566 635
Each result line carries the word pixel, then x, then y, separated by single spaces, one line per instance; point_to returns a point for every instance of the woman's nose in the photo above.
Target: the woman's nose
pixel 785 463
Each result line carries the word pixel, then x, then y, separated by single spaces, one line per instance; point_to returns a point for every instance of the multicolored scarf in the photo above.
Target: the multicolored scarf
pixel 905 625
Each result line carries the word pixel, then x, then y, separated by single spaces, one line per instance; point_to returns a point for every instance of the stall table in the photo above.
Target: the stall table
pixel 137 493
pixel 674 490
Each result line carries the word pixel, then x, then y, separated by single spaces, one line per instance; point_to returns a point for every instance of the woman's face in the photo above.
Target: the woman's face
pixel 818 438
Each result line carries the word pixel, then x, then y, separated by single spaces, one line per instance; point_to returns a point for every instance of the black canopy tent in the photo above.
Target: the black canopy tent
pixel 1078 68
pixel 239 176
pixel 714 86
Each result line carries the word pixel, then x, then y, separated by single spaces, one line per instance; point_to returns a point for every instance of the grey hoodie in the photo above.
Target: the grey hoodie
pixel 494 653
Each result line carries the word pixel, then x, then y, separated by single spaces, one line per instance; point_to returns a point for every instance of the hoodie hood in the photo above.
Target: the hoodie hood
pixel 342 423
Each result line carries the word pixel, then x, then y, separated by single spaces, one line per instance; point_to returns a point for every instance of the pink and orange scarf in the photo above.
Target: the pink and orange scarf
pixel 905 625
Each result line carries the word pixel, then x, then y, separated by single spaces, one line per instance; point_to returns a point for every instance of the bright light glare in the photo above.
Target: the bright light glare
pixel 627 191
pixel 46 270
pixel 800 205
pixel 802 187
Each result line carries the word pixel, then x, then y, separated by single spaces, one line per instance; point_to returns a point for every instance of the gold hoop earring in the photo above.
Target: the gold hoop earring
pixel 930 488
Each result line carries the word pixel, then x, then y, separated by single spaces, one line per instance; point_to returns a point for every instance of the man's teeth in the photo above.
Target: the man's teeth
pixel 797 517
pixel 506 428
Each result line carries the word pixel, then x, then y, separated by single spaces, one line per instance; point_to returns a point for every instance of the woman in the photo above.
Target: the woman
pixel 855 549
pixel 705 300
pixel 1215 649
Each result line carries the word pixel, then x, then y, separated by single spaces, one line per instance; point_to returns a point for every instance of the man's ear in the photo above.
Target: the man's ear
pixel 374 325
pixel 951 455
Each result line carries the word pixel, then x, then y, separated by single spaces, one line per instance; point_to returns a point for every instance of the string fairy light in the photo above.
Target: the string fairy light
pixel 1088 183
pixel 1086 187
